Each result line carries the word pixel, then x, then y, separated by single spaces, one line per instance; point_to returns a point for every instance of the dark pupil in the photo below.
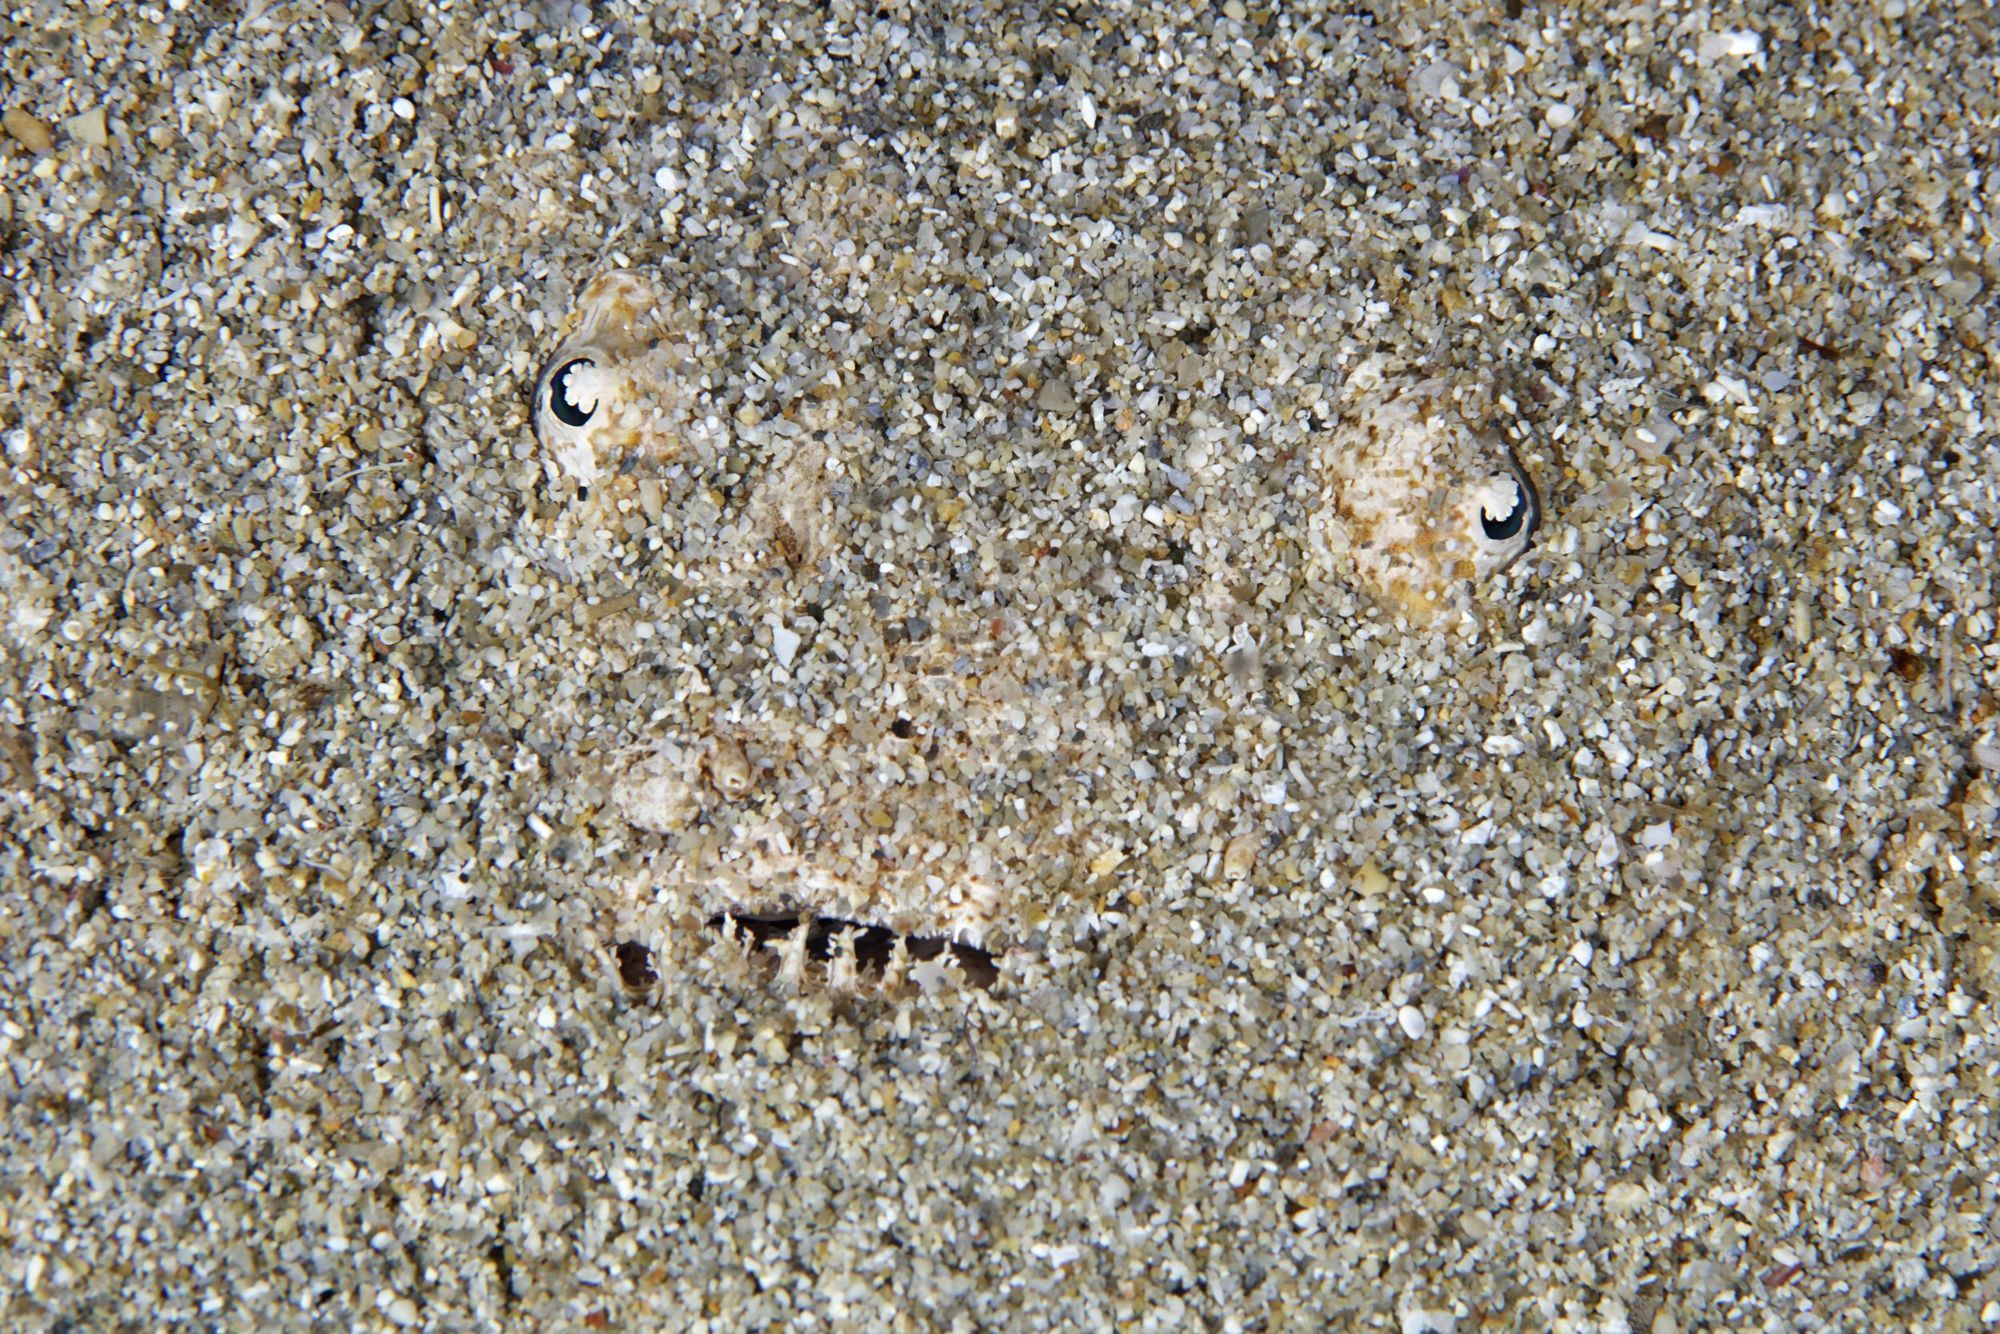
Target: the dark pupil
pixel 1499 530
pixel 567 412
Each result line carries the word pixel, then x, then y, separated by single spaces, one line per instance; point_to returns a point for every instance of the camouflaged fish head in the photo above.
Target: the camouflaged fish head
pixel 1415 502
pixel 610 393
pixel 945 789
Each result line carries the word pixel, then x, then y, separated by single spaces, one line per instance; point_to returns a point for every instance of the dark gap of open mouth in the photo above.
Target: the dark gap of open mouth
pixel 872 944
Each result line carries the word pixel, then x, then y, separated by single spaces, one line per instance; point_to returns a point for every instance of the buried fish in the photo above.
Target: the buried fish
pixel 931 711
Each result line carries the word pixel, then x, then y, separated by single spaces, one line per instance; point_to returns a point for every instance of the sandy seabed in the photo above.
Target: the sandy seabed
pixel 1615 951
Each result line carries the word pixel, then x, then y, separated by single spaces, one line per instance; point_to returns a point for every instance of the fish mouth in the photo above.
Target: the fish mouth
pixel 874 946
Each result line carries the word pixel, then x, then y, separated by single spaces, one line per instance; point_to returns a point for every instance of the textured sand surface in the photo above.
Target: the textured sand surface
pixel 1615 952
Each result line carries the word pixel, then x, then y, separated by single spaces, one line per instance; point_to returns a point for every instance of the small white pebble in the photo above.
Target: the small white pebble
pixel 404 108
pixel 1722 45
pixel 1418 1321
pixel 88 127
pixel 1411 1020
pixel 1438 80
pixel 1727 388
pixel 1639 234
pixel 1625 1198
pixel 1560 116
pixel 1761 215
pixel 784 646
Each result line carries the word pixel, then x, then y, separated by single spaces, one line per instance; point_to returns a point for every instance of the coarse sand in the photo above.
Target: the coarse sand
pixel 1613 951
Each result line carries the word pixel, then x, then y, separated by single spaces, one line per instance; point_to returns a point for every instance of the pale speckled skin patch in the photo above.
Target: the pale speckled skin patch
pixel 610 394
pixel 955 783
pixel 1413 501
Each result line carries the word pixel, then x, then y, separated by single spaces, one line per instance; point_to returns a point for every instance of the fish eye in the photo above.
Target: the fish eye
pixel 565 407
pixel 1499 530
pixel 1521 516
